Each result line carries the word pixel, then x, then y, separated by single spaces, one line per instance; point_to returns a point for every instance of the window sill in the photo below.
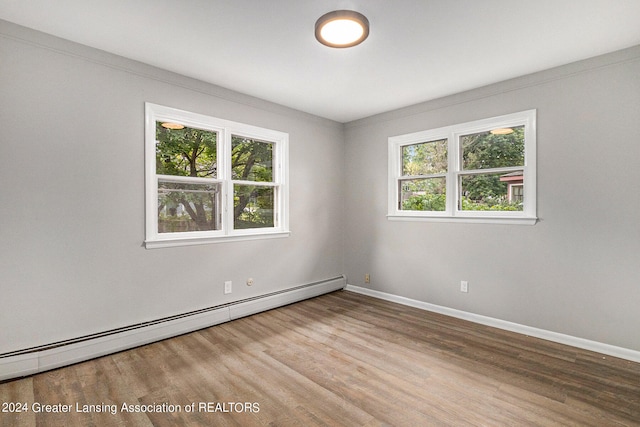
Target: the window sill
pixel 193 241
pixel 467 219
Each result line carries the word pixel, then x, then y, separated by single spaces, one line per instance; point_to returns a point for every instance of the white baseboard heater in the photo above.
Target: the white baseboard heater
pixel 43 358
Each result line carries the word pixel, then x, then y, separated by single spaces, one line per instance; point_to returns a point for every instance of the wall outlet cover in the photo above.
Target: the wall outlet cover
pixel 464 286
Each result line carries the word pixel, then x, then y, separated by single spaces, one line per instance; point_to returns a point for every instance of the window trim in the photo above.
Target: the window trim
pixel 225 130
pixel 452 134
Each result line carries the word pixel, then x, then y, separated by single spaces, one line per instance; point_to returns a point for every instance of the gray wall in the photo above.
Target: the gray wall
pixel 576 272
pixel 72 202
pixel 72 260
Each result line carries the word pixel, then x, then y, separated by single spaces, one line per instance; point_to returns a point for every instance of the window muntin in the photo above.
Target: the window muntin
pixel 423 184
pixel 254 189
pixel 188 206
pixel 496 153
pixel 191 203
pixel 211 180
pixel 490 176
pixel 516 194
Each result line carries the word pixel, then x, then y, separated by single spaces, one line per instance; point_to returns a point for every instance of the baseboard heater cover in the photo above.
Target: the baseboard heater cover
pixel 279 299
pixel 32 361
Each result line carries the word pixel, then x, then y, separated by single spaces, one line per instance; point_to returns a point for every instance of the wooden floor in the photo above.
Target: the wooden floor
pixel 341 359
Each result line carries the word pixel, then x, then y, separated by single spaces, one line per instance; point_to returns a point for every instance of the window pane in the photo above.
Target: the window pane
pixel 188 207
pixel 253 206
pixel 492 192
pixel 517 193
pixel 423 194
pixel 185 151
pixel 486 150
pixel 426 158
pixel 251 160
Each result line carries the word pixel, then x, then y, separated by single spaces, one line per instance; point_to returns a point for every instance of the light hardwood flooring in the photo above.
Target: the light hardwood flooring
pixel 342 359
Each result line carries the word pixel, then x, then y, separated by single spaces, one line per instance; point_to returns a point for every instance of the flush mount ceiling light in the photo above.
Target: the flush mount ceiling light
pixel 342 28
pixel 502 131
pixel 174 126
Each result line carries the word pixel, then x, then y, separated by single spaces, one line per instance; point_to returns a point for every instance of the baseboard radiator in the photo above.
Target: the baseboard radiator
pixel 51 356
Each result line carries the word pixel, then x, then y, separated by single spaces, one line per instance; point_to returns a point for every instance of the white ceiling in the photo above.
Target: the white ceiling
pixel 417 49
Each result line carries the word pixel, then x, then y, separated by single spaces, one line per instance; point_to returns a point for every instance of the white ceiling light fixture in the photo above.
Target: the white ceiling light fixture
pixel 172 126
pixel 342 28
pixel 502 131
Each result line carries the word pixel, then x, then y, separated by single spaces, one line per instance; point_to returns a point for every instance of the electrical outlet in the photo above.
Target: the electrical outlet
pixel 367 278
pixel 227 287
pixel 464 286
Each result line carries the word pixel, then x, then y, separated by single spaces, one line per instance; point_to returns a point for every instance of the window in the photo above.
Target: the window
pixel 482 171
pixel 210 180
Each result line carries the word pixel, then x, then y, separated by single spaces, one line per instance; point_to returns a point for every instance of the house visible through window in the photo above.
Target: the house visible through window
pixel 482 170
pixel 515 186
pixel 212 180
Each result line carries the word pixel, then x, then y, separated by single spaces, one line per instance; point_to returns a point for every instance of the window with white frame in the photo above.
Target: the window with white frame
pixel 211 180
pixel 481 171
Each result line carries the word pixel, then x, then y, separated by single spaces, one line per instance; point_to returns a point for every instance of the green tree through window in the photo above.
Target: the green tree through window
pixel 192 152
pixel 211 180
pixel 485 150
pixel 186 152
pixel 426 164
pixel 479 171
pixel 253 205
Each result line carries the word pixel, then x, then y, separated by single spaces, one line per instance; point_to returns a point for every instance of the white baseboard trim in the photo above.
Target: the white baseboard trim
pixel 55 356
pixel 598 347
